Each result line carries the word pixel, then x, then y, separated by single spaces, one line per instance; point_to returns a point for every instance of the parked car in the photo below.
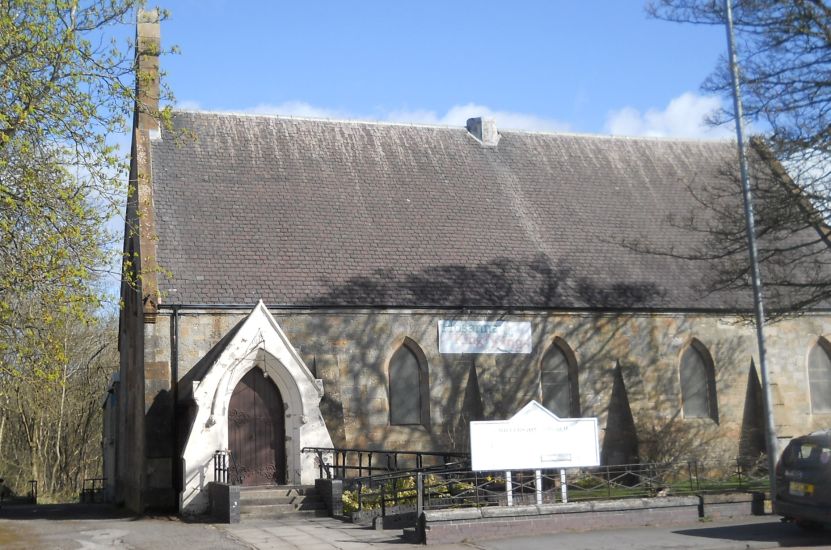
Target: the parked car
pixel 803 481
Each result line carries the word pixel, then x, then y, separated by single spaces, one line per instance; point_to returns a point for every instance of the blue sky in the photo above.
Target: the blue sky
pixel 593 66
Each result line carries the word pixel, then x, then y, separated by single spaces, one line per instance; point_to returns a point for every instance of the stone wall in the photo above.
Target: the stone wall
pixel 224 502
pixel 455 526
pixel 130 415
pixel 331 491
pixel 349 350
pixel 159 427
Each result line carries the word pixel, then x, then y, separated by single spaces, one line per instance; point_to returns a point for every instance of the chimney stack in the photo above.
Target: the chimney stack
pixel 148 47
pixel 140 211
pixel 483 129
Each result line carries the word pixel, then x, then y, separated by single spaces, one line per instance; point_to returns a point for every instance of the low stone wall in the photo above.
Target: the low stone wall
pixel 732 505
pixel 453 526
pixel 396 517
pixel 224 502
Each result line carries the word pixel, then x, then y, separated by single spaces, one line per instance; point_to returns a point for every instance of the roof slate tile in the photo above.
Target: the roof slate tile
pixel 317 213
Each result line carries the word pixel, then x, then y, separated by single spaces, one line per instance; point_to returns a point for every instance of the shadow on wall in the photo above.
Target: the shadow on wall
pixel 473 387
pixel 620 444
pixel 752 444
pixel 664 433
pixel 643 416
pixel 637 397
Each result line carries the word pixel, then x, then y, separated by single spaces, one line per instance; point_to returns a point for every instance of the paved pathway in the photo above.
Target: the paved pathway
pixel 754 533
pixel 316 534
pixel 72 527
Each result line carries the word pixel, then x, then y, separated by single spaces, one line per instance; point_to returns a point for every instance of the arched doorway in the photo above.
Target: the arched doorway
pixel 256 431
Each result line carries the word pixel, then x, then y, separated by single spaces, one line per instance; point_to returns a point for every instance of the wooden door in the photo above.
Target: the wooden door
pixel 256 432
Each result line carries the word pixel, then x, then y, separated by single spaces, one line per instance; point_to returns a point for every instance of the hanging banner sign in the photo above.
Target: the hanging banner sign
pixel 485 337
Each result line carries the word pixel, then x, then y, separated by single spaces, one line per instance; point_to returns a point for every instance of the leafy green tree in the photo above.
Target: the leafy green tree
pixel 66 88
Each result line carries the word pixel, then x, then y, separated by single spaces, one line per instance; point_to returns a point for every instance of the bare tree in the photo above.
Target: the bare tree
pixel 51 420
pixel 784 48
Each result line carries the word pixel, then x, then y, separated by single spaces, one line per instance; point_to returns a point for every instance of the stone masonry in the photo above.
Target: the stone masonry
pixel 349 351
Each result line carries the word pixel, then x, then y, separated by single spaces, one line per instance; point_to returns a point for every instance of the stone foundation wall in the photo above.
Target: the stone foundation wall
pixel 224 502
pixel 331 491
pixel 732 505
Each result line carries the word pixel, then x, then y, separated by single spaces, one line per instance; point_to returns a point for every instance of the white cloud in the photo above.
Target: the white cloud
pixel 296 108
pixel 455 116
pixel 685 116
pixel 188 105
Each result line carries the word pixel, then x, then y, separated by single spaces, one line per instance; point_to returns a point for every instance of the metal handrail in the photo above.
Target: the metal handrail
pixel 341 465
pixel 448 468
pixel 235 467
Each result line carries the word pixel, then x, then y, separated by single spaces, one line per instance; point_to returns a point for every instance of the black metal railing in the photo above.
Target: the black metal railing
pixel 395 489
pixel 224 466
pixel 93 490
pixel 439 488
pixel 460 489
pixel 347 463
pixel 31 496
pixel 221 466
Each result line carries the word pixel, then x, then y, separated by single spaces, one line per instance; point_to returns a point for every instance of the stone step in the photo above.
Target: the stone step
pixel 280 500
pixel 286 490
pixel 270 498
pixel 258 514
pixel 275 510
pixel 259 493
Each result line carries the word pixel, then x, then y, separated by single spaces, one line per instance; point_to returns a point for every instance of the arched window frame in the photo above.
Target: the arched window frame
pixel 573 375
pixel 696 346
pixel 825 346
pixel 423 383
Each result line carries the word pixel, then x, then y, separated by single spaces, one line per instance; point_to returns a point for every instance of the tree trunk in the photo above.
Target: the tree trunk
pixel 2 431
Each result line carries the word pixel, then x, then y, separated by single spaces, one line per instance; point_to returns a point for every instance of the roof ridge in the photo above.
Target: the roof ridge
pixel 451 127
pixel 318 119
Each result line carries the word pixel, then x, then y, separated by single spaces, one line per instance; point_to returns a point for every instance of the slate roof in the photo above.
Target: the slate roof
pixel 315 212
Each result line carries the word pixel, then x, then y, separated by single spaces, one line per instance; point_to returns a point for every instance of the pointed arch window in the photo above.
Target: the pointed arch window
pixel 409 386
pixel 819 376
pixel 559 386
pixel 698 383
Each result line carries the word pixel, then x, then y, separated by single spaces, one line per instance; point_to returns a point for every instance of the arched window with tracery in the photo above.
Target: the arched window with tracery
pixel 698 383
pixel 559 386
pixel 819 376
pixel 409 399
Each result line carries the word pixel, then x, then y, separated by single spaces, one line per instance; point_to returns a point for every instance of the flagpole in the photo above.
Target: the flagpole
pixel 770 426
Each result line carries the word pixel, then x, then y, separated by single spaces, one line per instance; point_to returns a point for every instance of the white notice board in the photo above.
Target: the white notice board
pixel 534 439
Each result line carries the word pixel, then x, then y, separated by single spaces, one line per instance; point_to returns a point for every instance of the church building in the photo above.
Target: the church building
pixel 298 283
